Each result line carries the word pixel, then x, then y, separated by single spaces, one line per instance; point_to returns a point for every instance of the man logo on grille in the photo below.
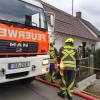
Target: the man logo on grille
pixel 14 44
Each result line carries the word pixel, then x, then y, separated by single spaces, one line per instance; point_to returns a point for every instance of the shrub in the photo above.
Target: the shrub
pixel 97 58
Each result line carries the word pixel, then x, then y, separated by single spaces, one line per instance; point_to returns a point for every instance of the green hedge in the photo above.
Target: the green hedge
pixel 97 58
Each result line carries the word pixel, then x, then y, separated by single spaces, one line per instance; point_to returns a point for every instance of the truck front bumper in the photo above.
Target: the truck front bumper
pixel 38 65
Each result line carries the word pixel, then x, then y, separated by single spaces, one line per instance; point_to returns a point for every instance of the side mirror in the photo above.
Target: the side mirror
pixel 52 20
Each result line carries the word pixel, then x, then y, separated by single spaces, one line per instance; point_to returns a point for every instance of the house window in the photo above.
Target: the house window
pixel 83 50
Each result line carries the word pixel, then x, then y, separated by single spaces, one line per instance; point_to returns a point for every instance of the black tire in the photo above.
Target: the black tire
pixel 27 80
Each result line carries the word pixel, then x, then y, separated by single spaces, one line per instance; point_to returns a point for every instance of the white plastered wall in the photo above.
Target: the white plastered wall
pixel 60 39
pixel 97 45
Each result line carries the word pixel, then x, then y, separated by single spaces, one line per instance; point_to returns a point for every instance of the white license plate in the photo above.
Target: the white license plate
pixel 18 65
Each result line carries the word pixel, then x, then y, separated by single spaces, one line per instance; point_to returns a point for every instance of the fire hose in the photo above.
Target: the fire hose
pixel 77 92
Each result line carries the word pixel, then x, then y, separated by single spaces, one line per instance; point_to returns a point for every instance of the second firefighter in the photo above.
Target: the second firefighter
pixel 53 59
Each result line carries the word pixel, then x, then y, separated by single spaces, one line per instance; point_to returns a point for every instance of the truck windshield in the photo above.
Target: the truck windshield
pixel 23 13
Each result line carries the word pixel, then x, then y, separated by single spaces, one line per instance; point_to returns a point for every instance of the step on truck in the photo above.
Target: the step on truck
pixel 23 40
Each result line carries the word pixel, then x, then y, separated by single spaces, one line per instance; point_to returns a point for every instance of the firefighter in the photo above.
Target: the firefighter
pixel 68 56
pixel 53 59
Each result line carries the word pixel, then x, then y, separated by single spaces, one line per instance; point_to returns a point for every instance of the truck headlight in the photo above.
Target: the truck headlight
pixel 45 62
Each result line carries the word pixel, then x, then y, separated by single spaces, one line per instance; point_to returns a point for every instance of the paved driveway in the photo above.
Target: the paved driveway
pixel 34 91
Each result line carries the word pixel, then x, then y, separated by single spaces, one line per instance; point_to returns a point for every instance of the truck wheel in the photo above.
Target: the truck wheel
pixel 27 80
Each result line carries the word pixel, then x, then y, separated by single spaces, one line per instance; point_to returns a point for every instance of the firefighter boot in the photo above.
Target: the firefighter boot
pixel 69 98
pixel 60 94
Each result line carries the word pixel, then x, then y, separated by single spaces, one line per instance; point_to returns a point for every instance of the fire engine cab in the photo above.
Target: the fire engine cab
pixel 23 40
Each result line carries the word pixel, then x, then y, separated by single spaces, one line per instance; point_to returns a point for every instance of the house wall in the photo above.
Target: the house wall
pixel 97 46
pixel 65 23
pixel 60 40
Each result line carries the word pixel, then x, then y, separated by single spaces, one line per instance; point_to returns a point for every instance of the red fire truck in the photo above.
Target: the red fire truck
pixel 23 40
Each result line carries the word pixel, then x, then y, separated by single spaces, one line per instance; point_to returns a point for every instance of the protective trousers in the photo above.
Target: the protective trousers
pixel 67 82
pixel 52 72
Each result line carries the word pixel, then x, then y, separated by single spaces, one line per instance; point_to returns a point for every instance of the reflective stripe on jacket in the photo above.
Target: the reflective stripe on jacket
pixel 68 57
pixel 52 54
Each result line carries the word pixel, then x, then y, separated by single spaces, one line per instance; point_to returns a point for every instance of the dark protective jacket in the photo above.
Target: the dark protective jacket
pixel 68 57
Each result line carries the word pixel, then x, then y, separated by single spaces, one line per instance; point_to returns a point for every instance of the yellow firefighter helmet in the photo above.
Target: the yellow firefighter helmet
pixel 69 40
